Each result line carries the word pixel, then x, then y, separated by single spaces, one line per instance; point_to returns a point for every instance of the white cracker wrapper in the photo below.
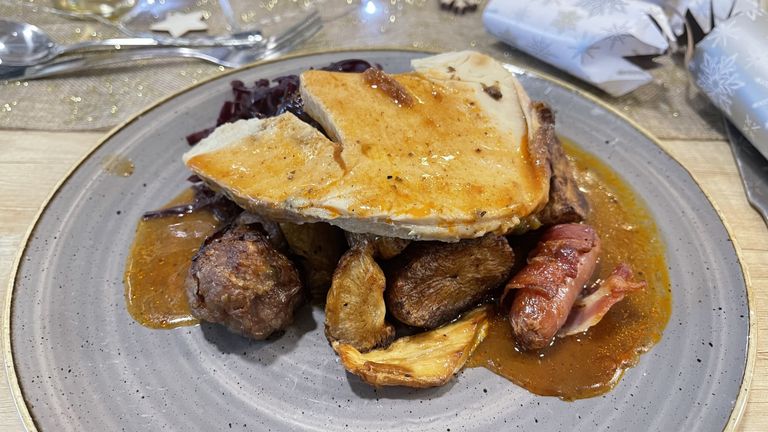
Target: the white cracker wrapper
pixel 587 38
pixel 731 66
pixel 705 12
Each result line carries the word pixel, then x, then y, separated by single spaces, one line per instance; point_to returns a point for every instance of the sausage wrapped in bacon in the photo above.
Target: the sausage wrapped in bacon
pixel 547 287
pixel 551 299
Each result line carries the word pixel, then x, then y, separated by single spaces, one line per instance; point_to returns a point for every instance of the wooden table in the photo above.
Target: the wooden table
pixel 32 163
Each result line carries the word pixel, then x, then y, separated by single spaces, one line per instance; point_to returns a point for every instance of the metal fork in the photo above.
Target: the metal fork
pixel 225 56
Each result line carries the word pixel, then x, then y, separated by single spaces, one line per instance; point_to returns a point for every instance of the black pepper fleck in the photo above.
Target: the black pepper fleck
pixel 493 91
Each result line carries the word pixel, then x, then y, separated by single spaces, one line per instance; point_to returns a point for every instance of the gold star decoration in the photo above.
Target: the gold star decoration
pixel 179 24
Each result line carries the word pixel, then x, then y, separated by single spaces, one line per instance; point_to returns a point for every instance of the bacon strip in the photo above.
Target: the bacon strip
pixel 590 309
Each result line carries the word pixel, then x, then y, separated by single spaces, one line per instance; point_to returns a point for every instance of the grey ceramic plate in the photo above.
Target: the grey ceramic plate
pixel 83 364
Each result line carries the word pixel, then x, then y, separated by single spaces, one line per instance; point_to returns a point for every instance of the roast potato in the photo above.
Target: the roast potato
pixel 435 282
pixel 354 309
pixel 427 359
pixel 383 247
pixel 317 248
pixel 238 279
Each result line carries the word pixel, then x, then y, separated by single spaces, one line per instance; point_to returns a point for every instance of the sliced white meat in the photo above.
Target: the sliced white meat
pixel 460 159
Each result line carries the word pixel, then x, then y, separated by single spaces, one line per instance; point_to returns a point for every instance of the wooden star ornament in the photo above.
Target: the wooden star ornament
pixel 459 6
pixel 179 24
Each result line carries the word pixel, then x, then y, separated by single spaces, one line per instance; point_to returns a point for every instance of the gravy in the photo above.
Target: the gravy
pixel 158 264
pixel 575 367
pixel 590 364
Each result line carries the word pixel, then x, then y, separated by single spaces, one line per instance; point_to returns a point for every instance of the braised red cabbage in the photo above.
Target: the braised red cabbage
pixel 270 98
pixel 264 99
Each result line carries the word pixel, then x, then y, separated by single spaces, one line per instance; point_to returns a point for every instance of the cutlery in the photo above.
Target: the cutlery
pixel 227 56
pixel 121 26
pixel 24 44
pixel 753 168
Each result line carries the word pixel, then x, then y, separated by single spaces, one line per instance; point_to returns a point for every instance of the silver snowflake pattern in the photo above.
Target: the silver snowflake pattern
pixel 722 34
pixel 750 128
pixel 759 104
pixel 603 7
pixel 753 10
pixel 763 102
pixel 540 47
pixel 566 20
pixel 718 79
pixel 755 56
pixel 583 48
pixel 617 34
pixel 754 13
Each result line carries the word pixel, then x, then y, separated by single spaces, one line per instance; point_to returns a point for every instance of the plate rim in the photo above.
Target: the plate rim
pixel 740 404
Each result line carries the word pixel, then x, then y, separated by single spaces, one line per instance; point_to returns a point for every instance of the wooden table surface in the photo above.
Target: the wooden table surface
pixel 32 163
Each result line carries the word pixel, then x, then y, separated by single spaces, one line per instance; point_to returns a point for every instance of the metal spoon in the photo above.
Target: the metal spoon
pixel 227 56
pixel 23 44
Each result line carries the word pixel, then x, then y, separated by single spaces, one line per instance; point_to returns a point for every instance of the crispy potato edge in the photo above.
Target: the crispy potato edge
pixel 387 372
pixel 373 331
